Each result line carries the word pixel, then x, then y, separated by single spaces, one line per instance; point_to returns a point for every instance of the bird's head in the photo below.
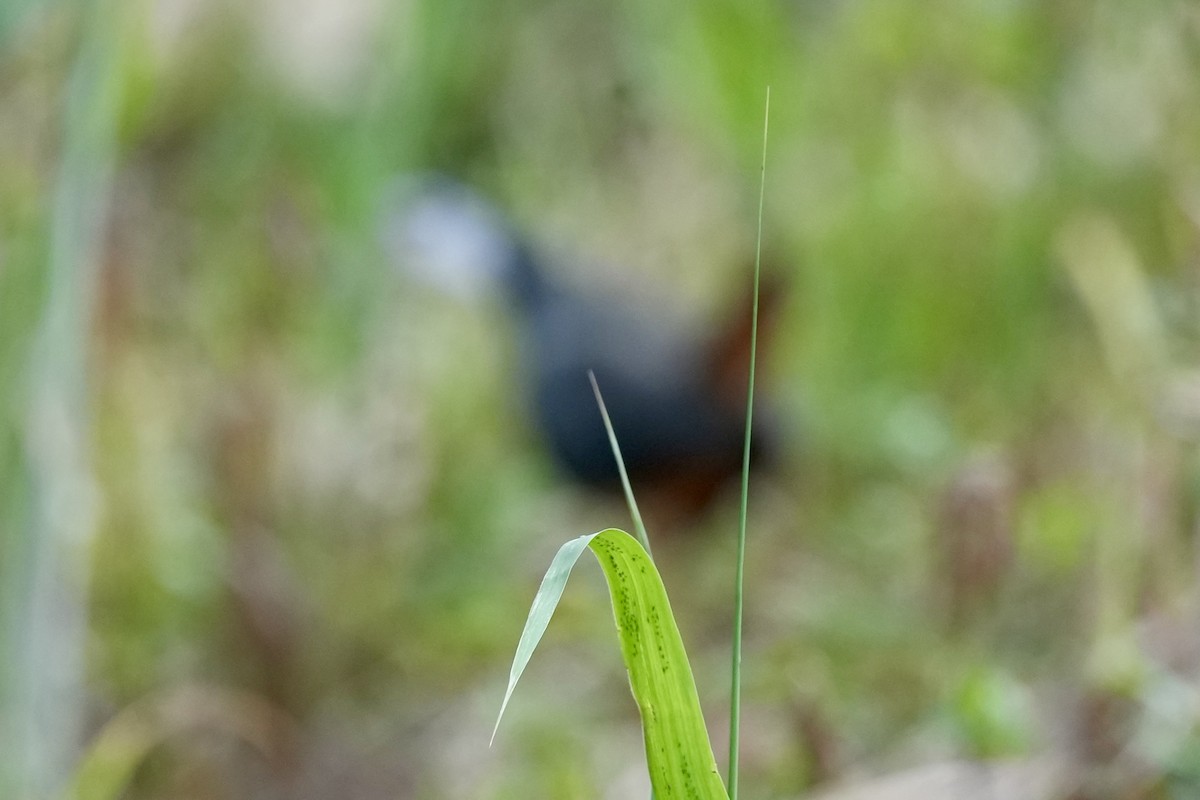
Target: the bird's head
pixel 444 233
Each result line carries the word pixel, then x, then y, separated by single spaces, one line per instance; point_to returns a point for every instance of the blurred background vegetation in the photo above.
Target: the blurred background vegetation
pixel 273 512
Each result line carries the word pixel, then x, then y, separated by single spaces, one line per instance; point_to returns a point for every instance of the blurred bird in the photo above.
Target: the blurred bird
pixel 677 401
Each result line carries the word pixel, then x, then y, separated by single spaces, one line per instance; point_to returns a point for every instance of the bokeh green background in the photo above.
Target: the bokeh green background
pixel 250 471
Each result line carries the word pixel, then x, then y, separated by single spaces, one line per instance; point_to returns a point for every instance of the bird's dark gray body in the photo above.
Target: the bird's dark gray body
pixel 664 414
pixel 670 418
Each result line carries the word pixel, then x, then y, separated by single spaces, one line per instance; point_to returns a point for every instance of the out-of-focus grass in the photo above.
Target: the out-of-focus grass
pixel 310 469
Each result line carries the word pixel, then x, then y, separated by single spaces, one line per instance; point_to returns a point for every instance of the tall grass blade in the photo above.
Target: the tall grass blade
pixel 679 756
pixel 638 525
pixel 735 694
pixel 43 563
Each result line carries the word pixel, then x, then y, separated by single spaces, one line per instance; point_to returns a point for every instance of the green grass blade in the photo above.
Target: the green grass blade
pixel 679 755
pixel 735 693
pixel 638 525
pixel 544 603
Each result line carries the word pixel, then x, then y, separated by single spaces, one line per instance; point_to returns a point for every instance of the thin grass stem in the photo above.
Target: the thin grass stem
pixel 638 525
pixel 616 448
pixel 735 695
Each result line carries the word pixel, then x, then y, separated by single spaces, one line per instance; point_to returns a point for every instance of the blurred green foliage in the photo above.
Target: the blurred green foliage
pixel 308 472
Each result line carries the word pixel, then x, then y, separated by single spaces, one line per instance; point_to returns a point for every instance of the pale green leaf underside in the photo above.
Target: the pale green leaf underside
pixel 678 753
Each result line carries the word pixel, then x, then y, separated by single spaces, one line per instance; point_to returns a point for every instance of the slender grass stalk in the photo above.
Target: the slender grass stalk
pixel 638 525
pixel 616 448
pixel 735 695
pixel 43 564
